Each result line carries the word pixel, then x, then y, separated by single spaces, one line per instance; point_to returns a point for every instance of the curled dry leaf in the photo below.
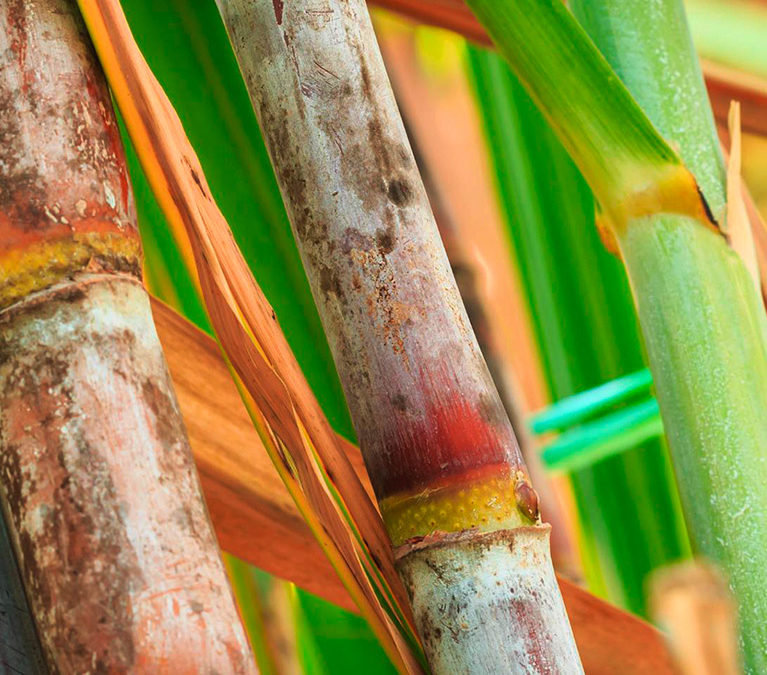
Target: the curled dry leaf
pixel 282 406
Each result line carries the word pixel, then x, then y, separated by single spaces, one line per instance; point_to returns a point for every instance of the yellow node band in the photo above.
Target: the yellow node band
pixel 485 504
pixel 37 266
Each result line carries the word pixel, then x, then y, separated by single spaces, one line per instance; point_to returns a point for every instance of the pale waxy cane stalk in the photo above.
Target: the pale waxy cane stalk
pixel 120 564
pixel 440 451
pixel 701 315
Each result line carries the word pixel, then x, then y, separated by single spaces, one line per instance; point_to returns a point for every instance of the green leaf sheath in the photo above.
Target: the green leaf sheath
pixel 585 326
pixel 616 148
pixel 649 46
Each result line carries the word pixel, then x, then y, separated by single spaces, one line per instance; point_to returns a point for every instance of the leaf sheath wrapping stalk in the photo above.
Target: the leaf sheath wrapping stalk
pixel 437 443
pixel 631 169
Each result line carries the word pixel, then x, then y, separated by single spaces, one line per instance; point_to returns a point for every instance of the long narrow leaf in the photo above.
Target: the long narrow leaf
pixel 282 406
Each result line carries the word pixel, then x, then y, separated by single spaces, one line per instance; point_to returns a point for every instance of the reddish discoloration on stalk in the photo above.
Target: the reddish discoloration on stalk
pixel 120 564
pixel 57 131
pixel 441 439
pixel 278 7
pixel 422 401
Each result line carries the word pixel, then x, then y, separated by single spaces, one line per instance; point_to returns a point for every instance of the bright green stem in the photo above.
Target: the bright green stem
pixel 335 641
pixel 706 337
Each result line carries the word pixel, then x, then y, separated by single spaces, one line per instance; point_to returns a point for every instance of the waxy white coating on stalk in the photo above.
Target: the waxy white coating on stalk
pixel 420 395
pixel 465 587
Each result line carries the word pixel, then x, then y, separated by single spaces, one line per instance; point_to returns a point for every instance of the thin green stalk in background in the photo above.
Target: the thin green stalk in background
pixel 585 325
pixel 703 322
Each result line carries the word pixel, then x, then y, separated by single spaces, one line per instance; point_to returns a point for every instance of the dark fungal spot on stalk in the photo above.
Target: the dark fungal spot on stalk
pixel 160 401
pixel 399 192
pixel 195 178
pixel 353 239
pixel 329 282
pixel 399 401
pixel 71 294
pixel 365 77
pixel 491 409
pixel 385 240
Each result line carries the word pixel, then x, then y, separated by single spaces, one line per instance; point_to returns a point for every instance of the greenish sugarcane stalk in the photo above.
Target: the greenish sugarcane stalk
pixel 703 323
pixel 702 319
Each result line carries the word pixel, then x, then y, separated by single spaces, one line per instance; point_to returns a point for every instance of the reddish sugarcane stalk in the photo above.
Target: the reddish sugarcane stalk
pixel 437 443
pixel 119 562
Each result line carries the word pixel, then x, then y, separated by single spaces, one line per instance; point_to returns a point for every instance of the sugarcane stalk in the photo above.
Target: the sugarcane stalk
pixel 437 443
pixel 704 326
pixel 701 316
pixel 466 279
pixel 119 562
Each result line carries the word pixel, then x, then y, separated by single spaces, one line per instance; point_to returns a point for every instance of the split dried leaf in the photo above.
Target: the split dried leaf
pixel 284 410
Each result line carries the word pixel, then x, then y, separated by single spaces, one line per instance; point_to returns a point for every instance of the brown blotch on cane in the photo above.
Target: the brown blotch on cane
pixel 526 498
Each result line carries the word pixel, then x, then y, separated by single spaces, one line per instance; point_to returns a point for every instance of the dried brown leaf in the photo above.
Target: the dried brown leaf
pixel 283 407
